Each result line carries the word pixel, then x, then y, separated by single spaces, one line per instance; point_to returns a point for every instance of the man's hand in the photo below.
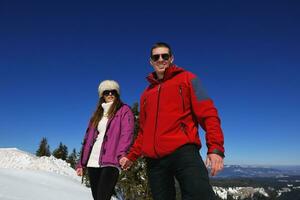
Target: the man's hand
pixel 215 162
pixel 79 171
pixel 125 163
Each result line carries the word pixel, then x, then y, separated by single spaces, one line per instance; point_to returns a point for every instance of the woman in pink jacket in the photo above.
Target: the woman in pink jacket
pixel 107 139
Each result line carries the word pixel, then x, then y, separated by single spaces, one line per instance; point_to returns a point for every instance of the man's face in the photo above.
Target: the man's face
pixel 160 59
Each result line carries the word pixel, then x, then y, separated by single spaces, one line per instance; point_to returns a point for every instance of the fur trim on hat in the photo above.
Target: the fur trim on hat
pixel 108 85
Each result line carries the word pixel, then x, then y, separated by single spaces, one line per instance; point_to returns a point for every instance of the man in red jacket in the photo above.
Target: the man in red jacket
pixel 171 108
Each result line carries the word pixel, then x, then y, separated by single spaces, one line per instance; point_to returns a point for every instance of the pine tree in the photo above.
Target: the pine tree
pixel 135 109
pixel 72 158
pixel 65 152
pixel 44 148
pixel 61 152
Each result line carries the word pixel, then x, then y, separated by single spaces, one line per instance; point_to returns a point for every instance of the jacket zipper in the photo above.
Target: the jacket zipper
pixel 103 151
pixel 157 108
pixel 180 91
pixel 91 147
pixel 94 139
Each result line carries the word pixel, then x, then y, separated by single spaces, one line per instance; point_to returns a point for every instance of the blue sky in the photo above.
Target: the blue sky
pixel 53 55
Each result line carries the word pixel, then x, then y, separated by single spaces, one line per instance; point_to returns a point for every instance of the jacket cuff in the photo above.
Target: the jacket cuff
pixel 78 165
pixel 121 155
pixel 131 157
pixel 218 152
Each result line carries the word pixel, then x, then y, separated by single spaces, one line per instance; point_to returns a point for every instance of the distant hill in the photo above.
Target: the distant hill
pixel 234 171
pixel 258 183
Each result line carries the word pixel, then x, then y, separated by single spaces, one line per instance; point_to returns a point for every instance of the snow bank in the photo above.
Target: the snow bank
pixel 13 158
pixel 24 176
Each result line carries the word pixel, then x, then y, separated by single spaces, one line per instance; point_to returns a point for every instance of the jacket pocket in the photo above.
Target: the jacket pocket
pixel 182 97
pixel 184 130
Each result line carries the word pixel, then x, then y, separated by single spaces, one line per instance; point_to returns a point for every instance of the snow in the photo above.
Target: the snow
pixel 27 184
pixel 23 176
pixel 283 190
pixel 12 158
pixel 238 192
pixel 221 192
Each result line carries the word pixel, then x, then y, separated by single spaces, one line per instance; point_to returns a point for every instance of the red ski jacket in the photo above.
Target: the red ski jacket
pixel 170 111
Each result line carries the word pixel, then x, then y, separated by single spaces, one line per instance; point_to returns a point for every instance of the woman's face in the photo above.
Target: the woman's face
pixel 109 95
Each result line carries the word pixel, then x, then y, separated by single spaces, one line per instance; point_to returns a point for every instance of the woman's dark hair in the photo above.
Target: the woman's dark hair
pixel 161 44
pixel 98 114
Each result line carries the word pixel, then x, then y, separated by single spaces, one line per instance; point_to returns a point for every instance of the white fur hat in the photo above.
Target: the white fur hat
pixel 108 85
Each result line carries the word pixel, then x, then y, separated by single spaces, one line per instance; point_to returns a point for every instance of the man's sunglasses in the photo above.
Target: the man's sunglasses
pixel 165 56
pixel 108 92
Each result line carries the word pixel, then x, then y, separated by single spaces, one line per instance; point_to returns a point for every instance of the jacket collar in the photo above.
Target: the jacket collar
pixel 170 72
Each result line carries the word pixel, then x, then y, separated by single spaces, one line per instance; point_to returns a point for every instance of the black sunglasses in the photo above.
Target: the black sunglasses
pixel 165 56
pixel 108 92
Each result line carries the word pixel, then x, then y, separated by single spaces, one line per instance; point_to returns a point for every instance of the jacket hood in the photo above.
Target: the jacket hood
pixel 170 72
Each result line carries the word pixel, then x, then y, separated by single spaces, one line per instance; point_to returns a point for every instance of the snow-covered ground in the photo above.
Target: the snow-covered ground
pixel 17 184
pixel 24 176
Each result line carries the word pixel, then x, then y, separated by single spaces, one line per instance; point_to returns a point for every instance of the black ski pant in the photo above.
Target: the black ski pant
pixel 186 165
pixel 103 181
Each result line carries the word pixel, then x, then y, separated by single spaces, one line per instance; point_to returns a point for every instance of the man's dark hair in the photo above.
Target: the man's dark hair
pixel 161 44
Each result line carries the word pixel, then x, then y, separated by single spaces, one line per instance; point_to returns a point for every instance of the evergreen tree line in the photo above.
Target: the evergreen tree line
pixel 61 152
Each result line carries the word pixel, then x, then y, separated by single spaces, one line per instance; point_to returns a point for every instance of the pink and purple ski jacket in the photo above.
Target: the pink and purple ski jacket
pixel 116 142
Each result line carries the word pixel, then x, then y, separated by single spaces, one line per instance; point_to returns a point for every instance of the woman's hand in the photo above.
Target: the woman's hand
pixel 125 163
pixel 79 171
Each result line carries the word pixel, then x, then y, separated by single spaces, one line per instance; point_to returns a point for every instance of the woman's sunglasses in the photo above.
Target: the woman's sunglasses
pixel 164 56
pixel 108 92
